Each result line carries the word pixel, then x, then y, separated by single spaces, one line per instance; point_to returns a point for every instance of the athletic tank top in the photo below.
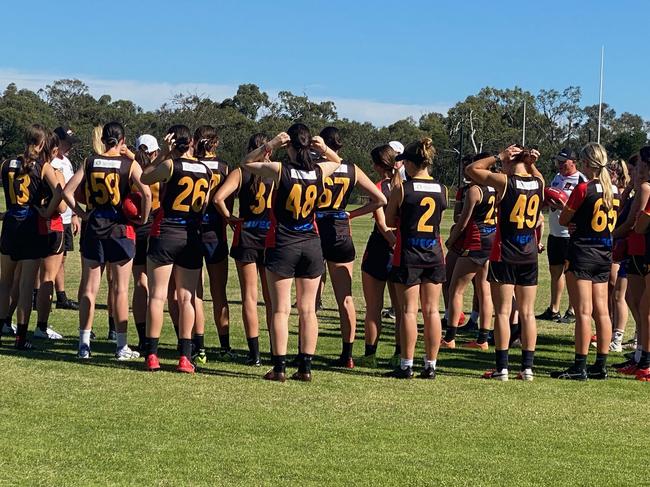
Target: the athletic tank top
pixel 591 241
pixel 418 236
pixel 294 205
pixel 212 218
pixel 636 243
pixel 338 187
pixel 385 188
pixel 482 223
pixel 55 222
pixel 517 216
pixel 185 197
pixel 254 207
pixel 22 191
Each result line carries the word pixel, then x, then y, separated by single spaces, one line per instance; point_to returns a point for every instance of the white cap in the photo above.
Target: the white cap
pixel 149 141
pixel 397 146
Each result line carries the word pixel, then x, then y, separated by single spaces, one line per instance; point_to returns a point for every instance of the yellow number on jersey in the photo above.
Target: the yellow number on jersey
pixel 525 211
pixel 295 204
pixel 602 219
pixel 490 217
pixel 430 203
pixel 23 181
pixel 261 204
pixel 108 187
pixel 345 182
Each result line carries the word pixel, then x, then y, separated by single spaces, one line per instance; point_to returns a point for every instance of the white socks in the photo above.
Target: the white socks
pixel 121 341
pixel 405 363
pixel 84 337
pixel 429 364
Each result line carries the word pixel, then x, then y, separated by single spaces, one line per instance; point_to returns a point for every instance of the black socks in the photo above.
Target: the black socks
pixel 346 350
pixel 370 350
pixel 224 341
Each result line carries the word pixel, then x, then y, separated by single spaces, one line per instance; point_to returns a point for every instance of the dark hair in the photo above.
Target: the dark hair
pixel 644 154
pixel 142 156
pixel 420 153
pixel 301 142
pixel 633 160
pixel 112 133
pixel 206 139
pixel 384 157
pixel 332 138
pixel 182 137
pixel 51 144
pixel 480 155
pixel 256 140
pixel 35 135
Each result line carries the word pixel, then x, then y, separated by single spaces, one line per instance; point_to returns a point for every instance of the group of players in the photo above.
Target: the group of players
pixel 157 212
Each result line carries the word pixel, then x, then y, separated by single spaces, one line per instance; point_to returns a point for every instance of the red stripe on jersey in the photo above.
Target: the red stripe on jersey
pixel 235 236
pixel 495 254
pixel 130 231
pixel 56 223
pixel 636 243
pixel 269 242
pixel 577 197
pixel 155 226
pixel 397 254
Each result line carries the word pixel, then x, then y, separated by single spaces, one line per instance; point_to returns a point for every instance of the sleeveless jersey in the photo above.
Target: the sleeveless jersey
pixel 331 215
pixel 636 243
pixel 418 236
pixel 212 219
pixel 107 182
pixel 480 230
pixel 185 196
pixel 591 241
pixel 385 188
pixel 55 222
pixel 516 241
pixel 254 207
pixel 294 205
pixel 22 191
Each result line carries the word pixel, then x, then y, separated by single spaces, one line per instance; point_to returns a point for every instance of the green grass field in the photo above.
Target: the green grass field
pixel 104 422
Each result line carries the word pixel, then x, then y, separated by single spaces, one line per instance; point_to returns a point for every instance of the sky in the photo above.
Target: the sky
pixel 379 61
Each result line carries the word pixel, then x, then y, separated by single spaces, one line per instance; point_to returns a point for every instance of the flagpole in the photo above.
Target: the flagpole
pixel 600 100
pixel 523 137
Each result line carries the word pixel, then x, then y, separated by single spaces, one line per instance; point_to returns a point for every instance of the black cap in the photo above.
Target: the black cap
pixel 566 154
pixel 67 135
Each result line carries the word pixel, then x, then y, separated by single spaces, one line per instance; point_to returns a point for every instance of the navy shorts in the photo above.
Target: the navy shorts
pixel 20 239
pixel 111 249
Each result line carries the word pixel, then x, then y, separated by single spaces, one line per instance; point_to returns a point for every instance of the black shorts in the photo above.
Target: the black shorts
pixel 478 257
pixel 558 250
pixel 215 252
pixel 516 274
pixel 377 259
pixel 20 239
pixel 68 239
pixel 636 266
pixel 410 276
pixel 141 246
pixel 590 271
pixel 247 255
pixel 301 259
pixel 181 248
pixel 339 249
pixel 111 249
pixel 52 243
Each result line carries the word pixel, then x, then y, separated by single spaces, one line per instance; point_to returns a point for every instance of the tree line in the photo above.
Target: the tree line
pixel 487 121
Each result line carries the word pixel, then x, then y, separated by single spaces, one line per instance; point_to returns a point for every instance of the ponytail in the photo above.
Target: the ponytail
pixel 255 142
pixel 301 142
pixel 206 139
pixel 98 145
pixel 142 156
pixel 35 141
pixel 595 156
pixel 384 157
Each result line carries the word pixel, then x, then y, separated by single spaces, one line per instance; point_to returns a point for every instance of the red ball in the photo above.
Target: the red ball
pixel 131 206
pixel 555 197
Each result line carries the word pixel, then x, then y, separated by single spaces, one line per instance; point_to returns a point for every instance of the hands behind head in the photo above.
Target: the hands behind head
pixel 528 156
pixel 531 157
pixel 318 144
pixel 509 153
pixel 280 140
pixel 170 143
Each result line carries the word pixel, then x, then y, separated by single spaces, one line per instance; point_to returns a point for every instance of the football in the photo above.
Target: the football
pixel 131 206
pixel 555 198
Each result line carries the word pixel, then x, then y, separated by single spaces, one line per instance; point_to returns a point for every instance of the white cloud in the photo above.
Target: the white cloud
pixel 150 95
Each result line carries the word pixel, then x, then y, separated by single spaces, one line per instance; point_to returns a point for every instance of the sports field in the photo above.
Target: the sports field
pixel 103 422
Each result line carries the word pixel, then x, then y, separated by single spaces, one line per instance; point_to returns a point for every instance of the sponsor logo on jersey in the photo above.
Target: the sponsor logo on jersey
pixel 14 164
pixel 342 169
pixel 427 187
pixel 527 185
pixel 300 174
pixel 214 165
pixel 194 167
pixel 107 164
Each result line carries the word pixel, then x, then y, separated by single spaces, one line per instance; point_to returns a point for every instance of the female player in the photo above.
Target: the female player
pixel 175 242
pixel 513 260
pixel 415 207
pixel 51 234
pixel 108 238
pixel 617 290
pixel 642 367
pixel 592 208
pixel 254 194
pixel 146 151
pixel 377 262
pixel 336 239
pixel 471 241
pixel 636 249
pixel 292 245
pixel 215 248
pixel 24 180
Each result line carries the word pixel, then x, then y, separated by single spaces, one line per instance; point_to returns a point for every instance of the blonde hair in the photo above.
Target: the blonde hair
pixel 595 156
pixel 98 144
pixel 420 153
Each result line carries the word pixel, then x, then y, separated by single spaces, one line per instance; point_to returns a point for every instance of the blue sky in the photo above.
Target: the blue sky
pixel 378 60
